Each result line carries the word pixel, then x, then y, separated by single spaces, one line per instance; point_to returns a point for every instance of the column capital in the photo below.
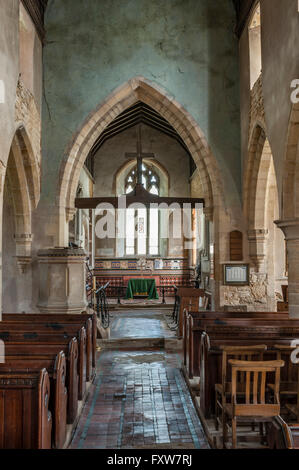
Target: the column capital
pixel 290 228
pixel 208 212
pixel 257 234
pixel 70 213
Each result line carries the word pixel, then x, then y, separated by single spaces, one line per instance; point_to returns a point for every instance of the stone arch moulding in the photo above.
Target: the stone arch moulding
pixel 290 192
pixel 22 142
pixel 136 89
pixel 23 178
pixel 258 150
pixel 257 178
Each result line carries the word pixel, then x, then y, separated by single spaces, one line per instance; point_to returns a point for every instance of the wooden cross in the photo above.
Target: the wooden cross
pixel 139 156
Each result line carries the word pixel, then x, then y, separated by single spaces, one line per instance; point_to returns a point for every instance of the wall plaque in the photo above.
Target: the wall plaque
pixel 236 274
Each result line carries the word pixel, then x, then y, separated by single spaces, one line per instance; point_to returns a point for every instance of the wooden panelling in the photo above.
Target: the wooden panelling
pixel 236 245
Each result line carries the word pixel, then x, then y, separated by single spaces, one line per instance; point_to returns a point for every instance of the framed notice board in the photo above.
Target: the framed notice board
pixel 236 274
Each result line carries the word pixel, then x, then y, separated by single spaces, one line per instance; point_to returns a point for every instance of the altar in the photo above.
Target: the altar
pixel 142 288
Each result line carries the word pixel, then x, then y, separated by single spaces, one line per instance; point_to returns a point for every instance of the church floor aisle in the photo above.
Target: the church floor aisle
pixel 141 323
pixel 139 398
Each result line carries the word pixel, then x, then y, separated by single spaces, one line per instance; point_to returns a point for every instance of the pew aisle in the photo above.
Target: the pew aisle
pixel 139 398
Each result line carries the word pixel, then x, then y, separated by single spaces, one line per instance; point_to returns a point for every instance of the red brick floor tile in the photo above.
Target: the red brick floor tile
pixel 155 408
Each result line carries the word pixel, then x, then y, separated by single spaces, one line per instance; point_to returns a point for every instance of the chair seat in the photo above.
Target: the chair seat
pixel 228 409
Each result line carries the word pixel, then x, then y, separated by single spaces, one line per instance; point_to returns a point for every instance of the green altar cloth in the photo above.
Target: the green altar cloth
pixel 142 287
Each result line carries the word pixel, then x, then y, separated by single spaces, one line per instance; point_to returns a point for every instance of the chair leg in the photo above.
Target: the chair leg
pixel 216 413
pixel 262 432
pixel 234 432
pixel 224 430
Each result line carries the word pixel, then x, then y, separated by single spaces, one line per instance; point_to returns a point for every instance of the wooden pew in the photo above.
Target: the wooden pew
pixel 75 319
pixel 280 435
pixel 189 297
pixel 52 343
pixel 26 421
pixel 67 328
pixel 194 325
pixel 52 332
pixel 56 368
pixel 243 334
pixel 39 352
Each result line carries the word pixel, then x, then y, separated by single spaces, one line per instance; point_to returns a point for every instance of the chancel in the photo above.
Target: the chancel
pixel 149 225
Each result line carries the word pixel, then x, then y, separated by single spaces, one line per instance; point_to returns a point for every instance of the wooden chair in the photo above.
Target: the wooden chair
pixel 289 384
pixel 223 390
pixel 252 406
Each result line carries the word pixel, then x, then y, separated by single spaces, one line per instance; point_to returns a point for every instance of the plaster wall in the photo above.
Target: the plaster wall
pixel 30 57
pixel 185 46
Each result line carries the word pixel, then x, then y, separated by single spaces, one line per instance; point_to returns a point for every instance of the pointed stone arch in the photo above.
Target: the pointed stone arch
pixel 256 178
pixel 260 198
pixel 136 89
pixel 290 197
pixel 22 179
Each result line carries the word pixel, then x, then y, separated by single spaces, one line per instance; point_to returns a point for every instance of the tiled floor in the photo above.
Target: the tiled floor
pixel 139 399
pixel 139 324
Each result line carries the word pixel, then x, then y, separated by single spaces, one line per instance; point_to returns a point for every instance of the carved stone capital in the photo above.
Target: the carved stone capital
pixel 289 227
pixel 23 262
pixel 258 260
pixel 208 212
pixel 70 213
pixel 23 244
pixel 257 247
pixel 258 234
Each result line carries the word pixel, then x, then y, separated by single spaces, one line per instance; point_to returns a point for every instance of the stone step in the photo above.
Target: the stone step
pixel 131 343
pixel 140 305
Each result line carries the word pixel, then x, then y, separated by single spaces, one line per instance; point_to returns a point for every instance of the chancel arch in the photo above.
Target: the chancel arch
pixel 136 89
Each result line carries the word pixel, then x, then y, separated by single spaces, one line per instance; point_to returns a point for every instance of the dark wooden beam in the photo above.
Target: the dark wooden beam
pixel 139 195
pixel 243 9
pixel 36 10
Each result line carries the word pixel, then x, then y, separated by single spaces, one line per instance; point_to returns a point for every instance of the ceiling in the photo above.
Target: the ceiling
pixel 243 9
pixel 139 113
pixel 37 8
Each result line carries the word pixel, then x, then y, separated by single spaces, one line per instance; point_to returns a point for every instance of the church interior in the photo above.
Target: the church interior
pixel 149 224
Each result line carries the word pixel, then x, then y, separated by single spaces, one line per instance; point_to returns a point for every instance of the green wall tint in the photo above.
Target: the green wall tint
pixel 185 46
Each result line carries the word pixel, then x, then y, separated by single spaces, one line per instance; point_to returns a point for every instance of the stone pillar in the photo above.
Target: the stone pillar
pixel 290 229
pixel 62 280
pixel 258 247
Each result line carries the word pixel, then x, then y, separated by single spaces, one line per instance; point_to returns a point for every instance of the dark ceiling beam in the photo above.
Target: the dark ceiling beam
pixel 36 10
pixel 138 195
pixel 136 114
pixel 243 9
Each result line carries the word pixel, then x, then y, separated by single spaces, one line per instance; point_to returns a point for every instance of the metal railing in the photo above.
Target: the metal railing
pixel 176 307
pixel 119 292
pixel 101 306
